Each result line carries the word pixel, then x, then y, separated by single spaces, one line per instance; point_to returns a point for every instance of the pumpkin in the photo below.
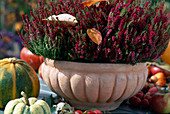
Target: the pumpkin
pixel 27 106
pixel 166 55
pixel 16 76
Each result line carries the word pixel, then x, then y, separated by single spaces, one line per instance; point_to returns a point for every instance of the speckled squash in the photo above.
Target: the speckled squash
pixel 16 76
pixel 27 106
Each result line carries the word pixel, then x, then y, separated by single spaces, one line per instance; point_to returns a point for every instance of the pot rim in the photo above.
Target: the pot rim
pixel 94 67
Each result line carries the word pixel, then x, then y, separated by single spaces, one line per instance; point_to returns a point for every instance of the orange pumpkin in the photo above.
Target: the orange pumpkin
pixel 166 56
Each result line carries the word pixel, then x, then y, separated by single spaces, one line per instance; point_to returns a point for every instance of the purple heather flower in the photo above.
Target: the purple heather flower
pixel 81 56
pixel 48 24
pixel 120 35
pixel 125 38
pixel 127 4
pixel 121 24
pixel 108 33
pixel 133 56
pixel 147 3
pixel 152 34
pixel 113 38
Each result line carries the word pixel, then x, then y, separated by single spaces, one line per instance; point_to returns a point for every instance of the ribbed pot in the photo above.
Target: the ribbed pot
pixel 94 85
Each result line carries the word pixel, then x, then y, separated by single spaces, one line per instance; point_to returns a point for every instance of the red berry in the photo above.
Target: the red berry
pixel 134 100
pixel 78 112
pixel 147 96
pixel 145 103
pixel 153 90
pixel 97 112
pixel 91 112
pixel 140 94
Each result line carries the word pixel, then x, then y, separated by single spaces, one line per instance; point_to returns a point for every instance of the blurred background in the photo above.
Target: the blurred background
pixel 11 22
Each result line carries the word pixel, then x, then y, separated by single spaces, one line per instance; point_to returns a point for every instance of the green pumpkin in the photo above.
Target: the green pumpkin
pixel 27 106
pixel 16 76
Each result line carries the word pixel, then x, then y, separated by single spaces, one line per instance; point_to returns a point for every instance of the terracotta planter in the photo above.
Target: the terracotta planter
pixel 94 85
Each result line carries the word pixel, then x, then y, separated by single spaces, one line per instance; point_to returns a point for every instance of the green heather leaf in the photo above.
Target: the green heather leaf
pixel 111 25
pixel 152 21
pixel 168 29
pixel 129 23
pixel 117 45
pixel 134 10
pixel 143 44
pixel 155 26
pixel 160 24
pixel 139 19
pixel 135 33
pixel 117 35
pixel 111 14
pixel 165 9
pixel 84 35
pixel 143 32
pixel 124 26
pixel 126 52
pixel 117 4
pixel 131 30
pixel 123 11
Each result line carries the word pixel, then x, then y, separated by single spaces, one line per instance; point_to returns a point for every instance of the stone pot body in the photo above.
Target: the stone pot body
pixel 94 85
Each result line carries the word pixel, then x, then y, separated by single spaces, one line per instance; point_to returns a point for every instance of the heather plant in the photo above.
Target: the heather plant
pixel 132 31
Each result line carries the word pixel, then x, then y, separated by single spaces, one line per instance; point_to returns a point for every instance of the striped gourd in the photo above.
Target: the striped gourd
pixel 16 76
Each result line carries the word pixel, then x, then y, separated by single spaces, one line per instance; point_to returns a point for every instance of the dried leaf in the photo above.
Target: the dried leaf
pixel 66 19
pixel 94 35
pixel 91 2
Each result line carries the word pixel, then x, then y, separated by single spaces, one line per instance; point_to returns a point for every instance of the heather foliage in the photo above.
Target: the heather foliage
pixel 131 31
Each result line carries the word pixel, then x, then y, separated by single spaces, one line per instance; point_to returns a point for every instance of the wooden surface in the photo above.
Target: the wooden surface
pixel 123 108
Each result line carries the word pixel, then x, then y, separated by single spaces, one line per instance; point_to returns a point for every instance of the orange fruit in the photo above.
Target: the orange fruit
pixel 160 76
pixel 161 82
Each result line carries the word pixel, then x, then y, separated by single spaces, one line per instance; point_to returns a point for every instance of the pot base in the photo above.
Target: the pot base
pixel 98 106
pixel 101 86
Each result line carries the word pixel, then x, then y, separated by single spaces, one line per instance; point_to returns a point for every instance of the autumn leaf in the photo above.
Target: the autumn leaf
pixel 94 35
pixel 91 2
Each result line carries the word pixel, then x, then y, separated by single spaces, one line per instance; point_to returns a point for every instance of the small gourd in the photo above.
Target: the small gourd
pixel 26 105
pixel 16 76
